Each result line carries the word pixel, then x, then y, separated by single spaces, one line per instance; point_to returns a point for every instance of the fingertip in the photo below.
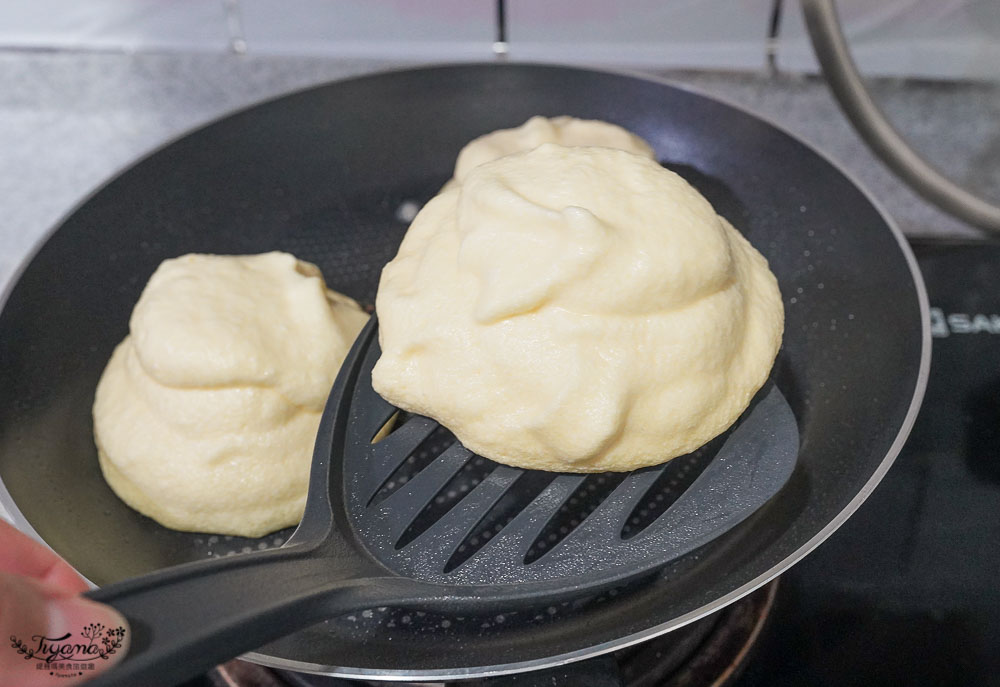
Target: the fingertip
pixel 62 577
pixel 56 639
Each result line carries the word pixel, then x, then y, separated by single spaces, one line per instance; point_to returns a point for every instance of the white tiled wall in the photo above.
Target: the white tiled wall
pixel 393 29
pixel 927 38
pixel 722 34
pixel 114 24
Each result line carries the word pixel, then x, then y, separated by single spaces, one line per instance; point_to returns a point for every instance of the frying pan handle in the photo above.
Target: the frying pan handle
pixel 594 672
pixel 187 619
pixel 872 125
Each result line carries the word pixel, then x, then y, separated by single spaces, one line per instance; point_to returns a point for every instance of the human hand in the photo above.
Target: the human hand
pixel 54 636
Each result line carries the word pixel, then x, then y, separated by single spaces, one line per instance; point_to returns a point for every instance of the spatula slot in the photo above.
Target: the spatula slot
pixel 677 476
pixel 450 495
pixel 585 500
pixel 416 460
pixel 514 500
pixel 387 427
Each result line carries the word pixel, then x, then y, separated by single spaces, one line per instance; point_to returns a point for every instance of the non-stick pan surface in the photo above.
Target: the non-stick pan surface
pixel 323 174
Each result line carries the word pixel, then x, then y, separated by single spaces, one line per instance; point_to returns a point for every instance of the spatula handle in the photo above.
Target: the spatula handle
pixel 187 619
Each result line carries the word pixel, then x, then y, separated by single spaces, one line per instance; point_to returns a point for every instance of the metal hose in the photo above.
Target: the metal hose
pixel 871 124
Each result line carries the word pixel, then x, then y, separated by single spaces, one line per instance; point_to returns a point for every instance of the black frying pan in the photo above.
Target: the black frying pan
pixel 322 174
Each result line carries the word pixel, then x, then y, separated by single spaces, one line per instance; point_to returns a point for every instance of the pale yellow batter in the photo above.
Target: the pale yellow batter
pixel 206 414
pixel 576 309
pixel 563 130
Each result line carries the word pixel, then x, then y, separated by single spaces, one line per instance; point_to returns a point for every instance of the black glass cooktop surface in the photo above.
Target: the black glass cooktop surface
pixel 907 592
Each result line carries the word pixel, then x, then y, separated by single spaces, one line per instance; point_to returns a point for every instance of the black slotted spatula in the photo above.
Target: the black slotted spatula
pixel 347 553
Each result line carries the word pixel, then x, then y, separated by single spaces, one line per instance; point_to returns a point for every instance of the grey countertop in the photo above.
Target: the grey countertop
pixel 70 120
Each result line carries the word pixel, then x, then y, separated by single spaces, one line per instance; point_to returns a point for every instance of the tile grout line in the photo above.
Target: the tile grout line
pixel 234 26
pixel 773 32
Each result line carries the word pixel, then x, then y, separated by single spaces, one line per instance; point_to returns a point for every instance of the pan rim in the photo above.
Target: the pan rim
pixel 21 522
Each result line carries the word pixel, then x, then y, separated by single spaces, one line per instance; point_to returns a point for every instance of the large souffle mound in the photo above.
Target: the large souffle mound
pixel 576 309
pixel 206 414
